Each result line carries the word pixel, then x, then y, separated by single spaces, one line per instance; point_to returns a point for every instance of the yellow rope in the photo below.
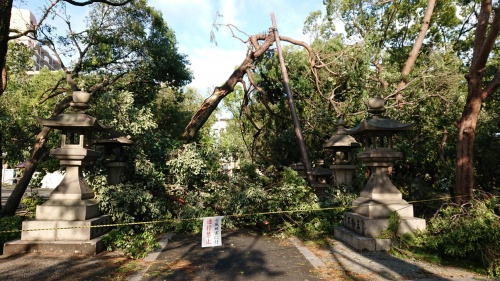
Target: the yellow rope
pixel 233 216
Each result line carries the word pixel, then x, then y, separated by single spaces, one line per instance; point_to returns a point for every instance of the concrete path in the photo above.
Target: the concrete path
pixel 247 256
pixel 243 256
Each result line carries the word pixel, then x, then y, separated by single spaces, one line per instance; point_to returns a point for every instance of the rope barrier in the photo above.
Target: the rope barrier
pixel 232 216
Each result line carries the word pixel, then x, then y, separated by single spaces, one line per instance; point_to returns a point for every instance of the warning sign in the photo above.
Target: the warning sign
pixel 211 233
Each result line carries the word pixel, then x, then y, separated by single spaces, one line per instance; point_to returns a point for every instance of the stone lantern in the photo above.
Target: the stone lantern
pixel 379 198
pixel 299 168
pixel 343 146
pixel 114 148
pixel 68 222
pixel 321 176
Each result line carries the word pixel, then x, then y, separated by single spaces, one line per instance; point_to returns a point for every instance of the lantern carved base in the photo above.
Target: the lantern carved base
pixel 89 247
pixel 360 242
pixel 69 229
pixel 69 221
pixel 362 233
pixel 378 200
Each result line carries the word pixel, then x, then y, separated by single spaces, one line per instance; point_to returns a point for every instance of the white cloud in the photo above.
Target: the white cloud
pixel 213 66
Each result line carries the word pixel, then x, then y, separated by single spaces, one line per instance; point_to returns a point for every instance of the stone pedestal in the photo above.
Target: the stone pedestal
pixel 342 174
pixel 69 221
pixel 371 211
pixel 115 170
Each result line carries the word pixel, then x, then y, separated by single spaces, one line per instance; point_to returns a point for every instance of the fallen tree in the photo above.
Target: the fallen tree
pixel 257 45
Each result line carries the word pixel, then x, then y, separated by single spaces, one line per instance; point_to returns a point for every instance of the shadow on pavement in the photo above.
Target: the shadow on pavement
pixel 243 256
pixel 378 265
pixel 55 267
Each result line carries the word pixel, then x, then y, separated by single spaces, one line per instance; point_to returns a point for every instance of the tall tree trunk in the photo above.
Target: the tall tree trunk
pixel 487 31
pixel 291 104
pixel 5 8
pixel 211 103
pixel 412 57
pixel 1 172
pixel 36 156
pixel 464 181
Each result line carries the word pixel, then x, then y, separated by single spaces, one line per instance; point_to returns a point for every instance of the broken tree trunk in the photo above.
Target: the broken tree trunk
pixel 211 103
pixel 291 104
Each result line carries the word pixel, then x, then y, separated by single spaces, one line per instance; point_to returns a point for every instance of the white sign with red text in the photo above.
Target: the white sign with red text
pixel 211 233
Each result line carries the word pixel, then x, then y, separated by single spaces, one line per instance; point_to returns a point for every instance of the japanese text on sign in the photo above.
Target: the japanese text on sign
pixel 211 233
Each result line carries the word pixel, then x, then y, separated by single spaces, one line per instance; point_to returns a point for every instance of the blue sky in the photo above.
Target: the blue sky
pixel 191 20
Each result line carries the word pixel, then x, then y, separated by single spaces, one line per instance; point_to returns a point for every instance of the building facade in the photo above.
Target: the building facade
pixel 23 20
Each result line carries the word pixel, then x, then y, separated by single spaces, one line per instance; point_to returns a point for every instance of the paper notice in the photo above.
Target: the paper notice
pixel 211 233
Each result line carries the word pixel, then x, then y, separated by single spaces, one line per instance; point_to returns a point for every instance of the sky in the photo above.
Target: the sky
pixel 191 20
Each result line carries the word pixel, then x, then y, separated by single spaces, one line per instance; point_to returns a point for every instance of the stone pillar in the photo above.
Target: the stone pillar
pixel 115 170
pixel 342 146
pixel 69 221
pixel 379 198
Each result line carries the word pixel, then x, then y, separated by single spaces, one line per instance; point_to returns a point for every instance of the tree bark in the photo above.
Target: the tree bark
pixel 412 57
pixel 464 181
pixel 36 155
pixel 486 34
pixel 211 103
pixel 291 104
pixel 5 8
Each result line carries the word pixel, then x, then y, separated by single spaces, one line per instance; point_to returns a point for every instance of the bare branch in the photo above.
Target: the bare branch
pixel 85 3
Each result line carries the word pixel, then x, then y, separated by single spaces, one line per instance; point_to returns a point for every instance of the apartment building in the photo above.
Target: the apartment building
pixel 23 20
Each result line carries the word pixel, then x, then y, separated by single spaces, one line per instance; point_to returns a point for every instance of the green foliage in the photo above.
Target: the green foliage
pixel 278 201
pixel 9 224
pixel 29 203
pixel 134 245
pixel 468 234
pixel 18 109
pixel 139 199
pixel 392 229
pixel 130 202
pixel 188 166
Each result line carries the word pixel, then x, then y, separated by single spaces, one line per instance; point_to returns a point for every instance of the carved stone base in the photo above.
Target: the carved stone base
pixel 59 230
pixel 381 208
pixel 68 210
pixel 362 243
pixel 369 227
pixel 90 247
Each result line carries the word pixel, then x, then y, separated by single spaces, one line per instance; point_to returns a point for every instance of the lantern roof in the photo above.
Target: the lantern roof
pixel 116 139
pixel 76 122
pixel 379 124
pixel 341 139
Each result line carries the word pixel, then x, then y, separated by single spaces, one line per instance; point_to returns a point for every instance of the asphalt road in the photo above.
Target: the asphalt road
pixel 7 191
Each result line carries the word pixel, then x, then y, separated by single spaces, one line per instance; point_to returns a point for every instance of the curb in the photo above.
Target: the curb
pixel 152 256
pixel 312 258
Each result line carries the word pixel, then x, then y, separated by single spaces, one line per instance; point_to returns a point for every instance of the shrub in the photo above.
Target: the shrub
pixel 278 201
pixel 469 233
pixel 29 203
pixel 9 224
pixel 134 244
pixel 139 200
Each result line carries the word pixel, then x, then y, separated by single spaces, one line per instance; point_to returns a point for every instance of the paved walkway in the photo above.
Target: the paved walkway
pixel 243 256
